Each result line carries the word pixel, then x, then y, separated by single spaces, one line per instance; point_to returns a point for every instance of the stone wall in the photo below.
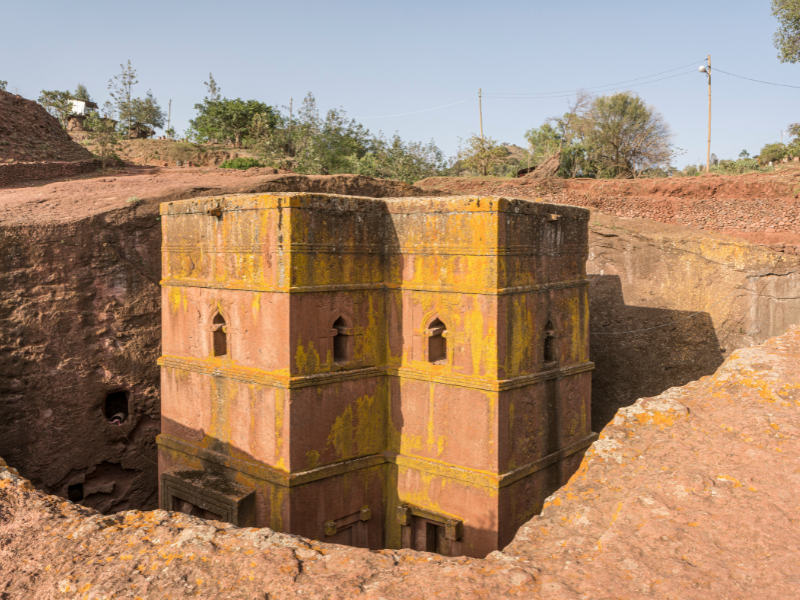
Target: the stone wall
pixel 668 304
pixel 79 319
pixel 15 173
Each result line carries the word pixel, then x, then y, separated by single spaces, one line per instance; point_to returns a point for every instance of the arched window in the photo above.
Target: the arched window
pixel 549 343
pixel 437 341
pixel 220 335
pixel 342 341
pixel 115 407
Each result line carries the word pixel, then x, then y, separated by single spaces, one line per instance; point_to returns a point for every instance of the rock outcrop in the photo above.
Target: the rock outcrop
pixel 34 146
pixel 28 133
pixel 689 494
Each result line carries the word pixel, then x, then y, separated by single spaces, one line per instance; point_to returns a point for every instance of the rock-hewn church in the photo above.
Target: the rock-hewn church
pixel 384 373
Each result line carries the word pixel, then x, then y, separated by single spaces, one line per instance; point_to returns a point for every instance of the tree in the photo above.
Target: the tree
pixel 623 136
pixel 213 89
pixel 787 38
pixel 772 153
pixel 307 143
pixel 744 154
pixel 3 85
pixel 543 141
pixel 481 154
pixel 230 120
pixel 58 104
pixel 148 112
pixel 121 91
pixel 103 133
pixel 396 159
pixel 573 157
pixel 81 93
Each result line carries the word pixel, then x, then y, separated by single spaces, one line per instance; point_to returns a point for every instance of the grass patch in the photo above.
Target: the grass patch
pixel 241 162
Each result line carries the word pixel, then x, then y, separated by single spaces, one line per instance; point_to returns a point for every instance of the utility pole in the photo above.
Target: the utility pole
pixel 480 111
pixel 708 148
pixel 707 70
pixel 169 115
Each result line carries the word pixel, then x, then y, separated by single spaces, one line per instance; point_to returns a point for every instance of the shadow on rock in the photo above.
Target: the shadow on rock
pixel 674 349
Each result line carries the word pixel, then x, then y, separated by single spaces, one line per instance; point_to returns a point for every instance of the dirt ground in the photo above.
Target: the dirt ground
pixel 783 183
pixel 166 153
pixel 70 200
pixel 759 207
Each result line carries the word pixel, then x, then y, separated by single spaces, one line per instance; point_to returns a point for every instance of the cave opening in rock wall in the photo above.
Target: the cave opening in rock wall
pixel 75 492
pixel 116 408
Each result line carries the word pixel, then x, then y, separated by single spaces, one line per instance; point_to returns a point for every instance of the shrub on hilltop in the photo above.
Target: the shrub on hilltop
pixel 241 162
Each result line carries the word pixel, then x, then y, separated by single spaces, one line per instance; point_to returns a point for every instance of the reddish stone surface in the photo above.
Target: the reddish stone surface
pixel 134 186
pixel 480 436
pixel 690 494
pixel 16 173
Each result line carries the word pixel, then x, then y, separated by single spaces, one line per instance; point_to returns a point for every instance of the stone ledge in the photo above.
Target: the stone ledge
pixel 259 377
pixel 440 468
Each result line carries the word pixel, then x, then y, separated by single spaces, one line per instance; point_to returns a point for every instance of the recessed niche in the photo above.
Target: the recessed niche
pixel 220 335
pixel 342 341
pixel 75 492
pixel 437 343
pixel 116 408
pixel 549 343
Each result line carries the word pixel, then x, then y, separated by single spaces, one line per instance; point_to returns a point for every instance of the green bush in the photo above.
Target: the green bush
pixel 241 162
pixel 772 153
pixel 738 167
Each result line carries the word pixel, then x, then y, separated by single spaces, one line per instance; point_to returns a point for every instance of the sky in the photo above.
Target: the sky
pixel 375 59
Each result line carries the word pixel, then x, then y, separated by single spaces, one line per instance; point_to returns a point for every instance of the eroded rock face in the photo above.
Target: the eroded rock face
pixel 668 304
pixel 689 494
pixel 79 320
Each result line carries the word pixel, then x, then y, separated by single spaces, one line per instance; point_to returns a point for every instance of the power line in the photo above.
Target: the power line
pixel 797 87
pixel 570 92
pixel 416 112
pixel 594 90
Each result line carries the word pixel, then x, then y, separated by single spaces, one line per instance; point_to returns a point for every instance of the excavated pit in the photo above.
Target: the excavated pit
pixel 80 317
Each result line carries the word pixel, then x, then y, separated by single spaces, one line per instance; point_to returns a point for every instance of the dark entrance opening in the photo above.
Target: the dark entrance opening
pixel 75 492
pixel 188 508
pixel 341 341
pixel 433 538
pixel 437 343
pixel 220 336
pixel 549 343
pixel 116 407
